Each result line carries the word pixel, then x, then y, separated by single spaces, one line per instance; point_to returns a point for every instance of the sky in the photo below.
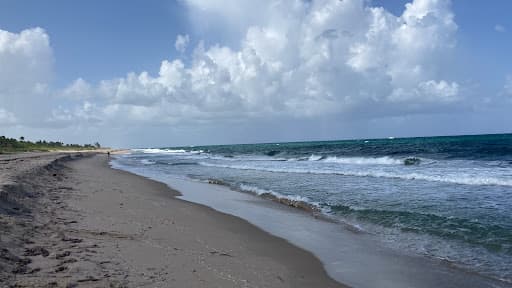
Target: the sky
pixel 192 72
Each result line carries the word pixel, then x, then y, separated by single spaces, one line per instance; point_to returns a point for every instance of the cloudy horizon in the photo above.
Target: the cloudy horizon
pixel 198 72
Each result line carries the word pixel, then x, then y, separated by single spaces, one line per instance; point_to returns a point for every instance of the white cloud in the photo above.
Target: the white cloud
pixel 295 59
pixel 78 90
pixel 429 91
pixel 26 68
pixel 181 43
pixel 302 59
pixel 500 28
pixel 25 59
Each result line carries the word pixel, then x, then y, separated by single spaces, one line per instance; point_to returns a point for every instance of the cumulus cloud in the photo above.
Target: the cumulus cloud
pixel 296 58
pixel 181 43
pixel 293 59
pixel 429 91
pixel 26 60
pixel 26 68
pixel 78 90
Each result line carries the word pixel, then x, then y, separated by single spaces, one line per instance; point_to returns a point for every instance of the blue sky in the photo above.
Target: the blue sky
pixel 245 66
pixel 100 39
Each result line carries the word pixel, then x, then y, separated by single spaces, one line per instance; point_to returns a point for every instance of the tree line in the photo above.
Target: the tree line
pixel 21 145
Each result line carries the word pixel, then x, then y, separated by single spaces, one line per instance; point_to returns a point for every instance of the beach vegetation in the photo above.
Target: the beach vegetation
pixel 11 145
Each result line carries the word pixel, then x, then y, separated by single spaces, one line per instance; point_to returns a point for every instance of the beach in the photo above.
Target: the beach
pixel 69 220
pixel 224 143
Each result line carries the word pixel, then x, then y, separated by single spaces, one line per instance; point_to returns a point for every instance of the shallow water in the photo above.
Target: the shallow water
pixel 351 257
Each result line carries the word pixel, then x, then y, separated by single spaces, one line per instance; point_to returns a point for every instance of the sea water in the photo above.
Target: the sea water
pixel 446 198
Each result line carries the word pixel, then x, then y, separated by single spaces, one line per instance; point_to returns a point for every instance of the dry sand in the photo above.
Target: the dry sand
pixel 75 222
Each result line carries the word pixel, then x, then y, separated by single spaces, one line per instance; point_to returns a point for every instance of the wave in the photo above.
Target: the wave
pixel 249 158
pixel 276 155
pixel 314 157
pixel 385 160
pixel 147 162
pixel 260 191
pixel 492 237
pixel 159 151
pixel 167 151
pixel 364 161
pixel 464 179
pixel 183 163
pixel 296 201
pixel 272 153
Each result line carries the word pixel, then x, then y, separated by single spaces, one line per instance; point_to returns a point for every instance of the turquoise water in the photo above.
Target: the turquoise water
pixel 442 197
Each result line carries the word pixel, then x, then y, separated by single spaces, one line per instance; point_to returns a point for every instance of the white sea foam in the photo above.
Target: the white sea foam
pixel 237 158
pixel 364 161
pixel 260 192
pixel 351 160
pixel 314 157
pixel 147 162
pixel 160 151
pixel 167 151
pixel 199 154
pixel 452 177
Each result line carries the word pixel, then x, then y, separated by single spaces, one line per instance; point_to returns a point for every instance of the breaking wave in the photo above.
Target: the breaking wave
pixel 260 191
pixel 364 161
pixel 464 179
pixel 167 151
pixel 296 201
pixel 147 162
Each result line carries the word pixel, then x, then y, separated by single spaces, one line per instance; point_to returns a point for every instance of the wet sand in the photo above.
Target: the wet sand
pixel 78 223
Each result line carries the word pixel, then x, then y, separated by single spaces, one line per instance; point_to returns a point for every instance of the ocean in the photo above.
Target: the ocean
pixel 447 198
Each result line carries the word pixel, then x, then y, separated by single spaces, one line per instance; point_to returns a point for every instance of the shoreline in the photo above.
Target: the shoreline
pixel 98 228
pixel 350 257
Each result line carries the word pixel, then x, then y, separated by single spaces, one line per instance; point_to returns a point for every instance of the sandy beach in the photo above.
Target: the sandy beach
pixel 69 220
